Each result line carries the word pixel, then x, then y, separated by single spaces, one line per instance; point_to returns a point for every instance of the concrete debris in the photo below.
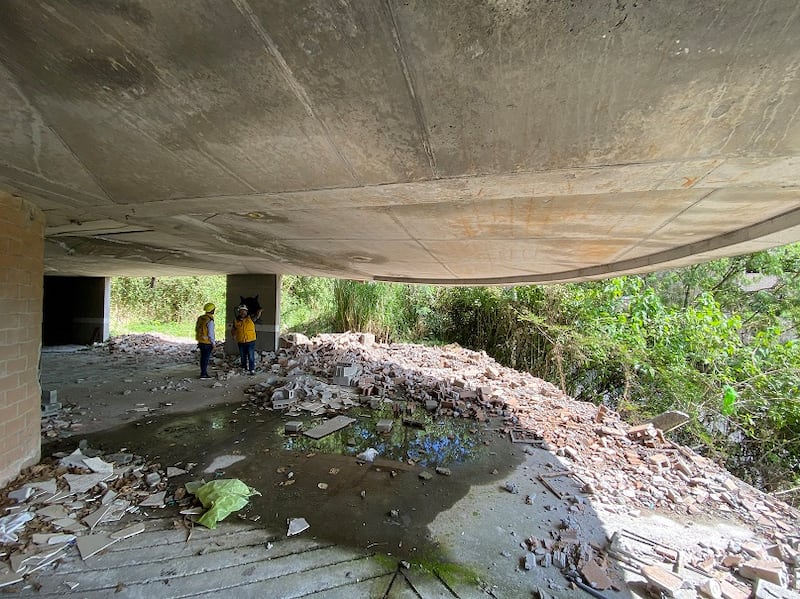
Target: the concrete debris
pixel 368 455
pixel 606 454
pixel 710 588
pixel 50 404
pixel 328 427
pixel 763 589
pixel 293 426
pixel 595 576
pixel 296 526
pixel 770 570
pixel 384 426
pixel 10 524
pixel 670 420
pixel 21 495
pixel 664 581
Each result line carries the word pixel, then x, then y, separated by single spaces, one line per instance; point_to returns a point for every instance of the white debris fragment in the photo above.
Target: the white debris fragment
pixel 296 526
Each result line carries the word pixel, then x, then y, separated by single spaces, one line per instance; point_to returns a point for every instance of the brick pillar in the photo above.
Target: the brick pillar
pixel 268 290
pixel 21 274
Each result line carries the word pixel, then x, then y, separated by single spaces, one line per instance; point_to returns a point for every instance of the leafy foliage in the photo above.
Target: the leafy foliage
pixel 168 304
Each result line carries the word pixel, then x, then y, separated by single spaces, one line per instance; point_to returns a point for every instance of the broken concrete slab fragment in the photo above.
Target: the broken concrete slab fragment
pixel 384 425
pixel 52 511
pixel 117 510
pixel 155 500
pixel 670 420
pixel 74 460
pixel 763 589
pixel 128 532
pixel 80 483
pixel 296 526
pixel 293 426
pixel 47 486
pixel 425 475
pixel 730 591
pixel 22 494
pixel 222 462
pixel 42 556
pixel 769 570
pixel 661 579
pixel 710 588
pixel 595 576
pixel 172 471
pixel 12 523
pixel 328 427
pixel 119 459
pixel 98 465
pixel 90 545
pixel 96 517
pixel 443 471
pixel 68 524
pixel 52 538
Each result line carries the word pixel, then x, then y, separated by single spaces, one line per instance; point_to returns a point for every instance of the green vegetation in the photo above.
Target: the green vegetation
pixel 168 305
pixel 716 340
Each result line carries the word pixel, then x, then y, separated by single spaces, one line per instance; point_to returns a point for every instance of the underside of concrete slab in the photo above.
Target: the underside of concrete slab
pixel 408 141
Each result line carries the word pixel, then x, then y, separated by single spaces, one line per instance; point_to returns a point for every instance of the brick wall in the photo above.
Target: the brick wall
pixel 21 281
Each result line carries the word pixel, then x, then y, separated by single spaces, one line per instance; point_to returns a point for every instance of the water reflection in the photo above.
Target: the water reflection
pixel 433 443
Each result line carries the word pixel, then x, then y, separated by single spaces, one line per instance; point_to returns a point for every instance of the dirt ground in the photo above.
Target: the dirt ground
pixel 487 516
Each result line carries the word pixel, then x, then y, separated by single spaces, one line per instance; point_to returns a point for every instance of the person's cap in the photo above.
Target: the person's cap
pixel 242 307
pixel 209 307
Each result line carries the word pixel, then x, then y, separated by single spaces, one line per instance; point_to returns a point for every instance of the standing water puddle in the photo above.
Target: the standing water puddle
pixel 382 505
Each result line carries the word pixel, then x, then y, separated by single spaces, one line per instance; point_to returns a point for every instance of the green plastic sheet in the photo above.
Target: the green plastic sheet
pixel 222 497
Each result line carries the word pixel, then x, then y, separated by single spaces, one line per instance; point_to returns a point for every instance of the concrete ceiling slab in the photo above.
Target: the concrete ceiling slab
pixel 438 141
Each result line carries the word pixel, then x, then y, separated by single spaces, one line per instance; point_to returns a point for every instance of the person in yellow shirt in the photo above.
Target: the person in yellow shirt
pixel 204 334
pixel 244 331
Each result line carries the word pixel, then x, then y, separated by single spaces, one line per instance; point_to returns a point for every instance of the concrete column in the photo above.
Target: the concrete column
pixel 21 273
pixel 76 310
pixel 268 290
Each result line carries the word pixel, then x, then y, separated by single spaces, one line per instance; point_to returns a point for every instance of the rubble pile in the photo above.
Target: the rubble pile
pixel 620 465
pixel 624 469
pixel 77 500
pixel 600 461
pixel 150 344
